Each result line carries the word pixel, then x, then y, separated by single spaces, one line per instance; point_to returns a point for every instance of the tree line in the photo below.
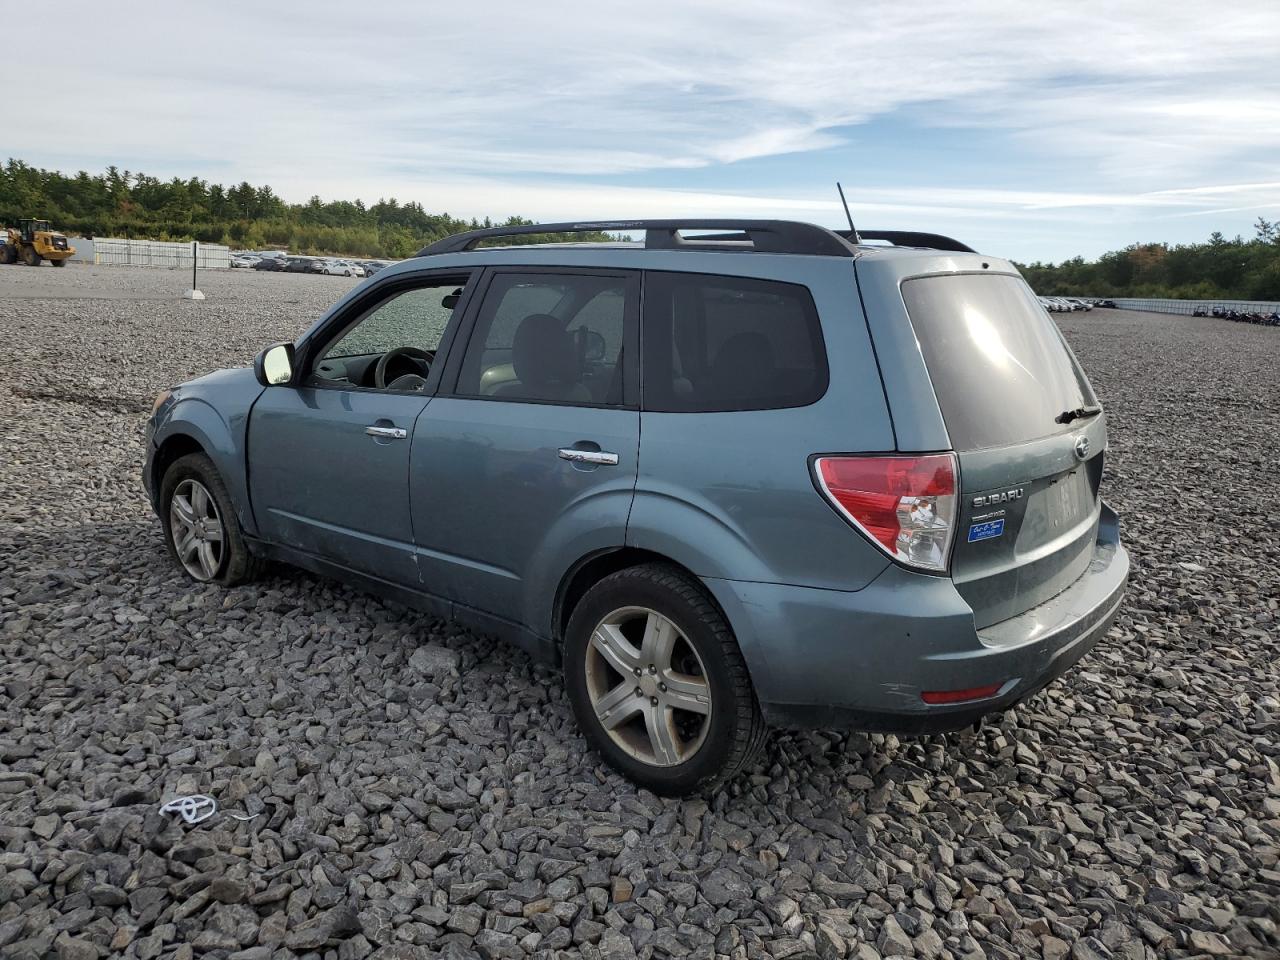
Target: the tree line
pixel 1218 269
pixel 121 203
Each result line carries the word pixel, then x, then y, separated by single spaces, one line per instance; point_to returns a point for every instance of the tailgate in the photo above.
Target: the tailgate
pixel 1028 520
pixel 1005 381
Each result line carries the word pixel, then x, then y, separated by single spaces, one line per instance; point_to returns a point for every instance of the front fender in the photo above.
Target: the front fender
pixel 223 440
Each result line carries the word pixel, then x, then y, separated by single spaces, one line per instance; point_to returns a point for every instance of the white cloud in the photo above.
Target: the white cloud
pixel 473 107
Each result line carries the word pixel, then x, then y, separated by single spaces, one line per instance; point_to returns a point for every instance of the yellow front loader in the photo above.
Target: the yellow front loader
pixel 32 241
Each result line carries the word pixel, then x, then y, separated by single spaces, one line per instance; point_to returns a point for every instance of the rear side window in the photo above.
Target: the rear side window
pixel 551 338
pixel 1000 368
pixel 715 343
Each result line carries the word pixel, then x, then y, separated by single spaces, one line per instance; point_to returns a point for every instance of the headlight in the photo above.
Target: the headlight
pixel 161 398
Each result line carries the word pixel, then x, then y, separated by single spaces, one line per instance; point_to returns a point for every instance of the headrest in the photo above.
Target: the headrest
pixel 543 352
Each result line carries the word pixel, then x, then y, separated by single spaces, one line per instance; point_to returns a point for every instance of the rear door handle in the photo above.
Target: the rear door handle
pixel 599 457
pixel 390 433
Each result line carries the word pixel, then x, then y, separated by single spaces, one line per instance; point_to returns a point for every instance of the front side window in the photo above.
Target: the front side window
pixel 414 318
pixel 715 343
pixel 554 338
pixel 392 345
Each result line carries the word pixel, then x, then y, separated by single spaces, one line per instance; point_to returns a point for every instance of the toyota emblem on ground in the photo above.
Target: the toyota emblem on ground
pixel 193 809
pixel 198 808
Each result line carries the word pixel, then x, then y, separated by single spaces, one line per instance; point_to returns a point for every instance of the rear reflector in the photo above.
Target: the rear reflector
pixel 905 505
pixel 960 696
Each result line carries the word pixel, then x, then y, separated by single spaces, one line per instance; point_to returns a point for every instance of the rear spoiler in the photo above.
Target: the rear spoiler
pixel 907 238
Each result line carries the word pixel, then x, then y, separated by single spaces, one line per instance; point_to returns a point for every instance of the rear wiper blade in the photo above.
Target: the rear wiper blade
pixel 1079 413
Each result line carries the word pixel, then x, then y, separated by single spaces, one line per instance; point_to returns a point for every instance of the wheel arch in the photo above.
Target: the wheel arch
pixel 595 566
pixel 168 451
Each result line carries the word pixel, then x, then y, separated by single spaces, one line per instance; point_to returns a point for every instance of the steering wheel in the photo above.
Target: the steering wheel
pixel 404 380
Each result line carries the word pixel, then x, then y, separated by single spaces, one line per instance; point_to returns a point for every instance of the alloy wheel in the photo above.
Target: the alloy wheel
pixel 648 687
pixel 196 529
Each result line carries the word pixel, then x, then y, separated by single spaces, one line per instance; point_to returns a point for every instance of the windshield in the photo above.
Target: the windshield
pixel 1000 368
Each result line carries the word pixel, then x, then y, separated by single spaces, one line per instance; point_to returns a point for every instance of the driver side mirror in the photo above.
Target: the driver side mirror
pixel 274 365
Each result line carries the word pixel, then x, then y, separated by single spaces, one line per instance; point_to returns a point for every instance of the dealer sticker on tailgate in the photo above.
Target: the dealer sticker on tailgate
pixel 986 530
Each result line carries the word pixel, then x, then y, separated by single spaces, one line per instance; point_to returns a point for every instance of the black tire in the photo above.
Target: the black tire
pixel 237 565
pixel 57 263
pixel 31 258
pixel 8 253
pixel 735 728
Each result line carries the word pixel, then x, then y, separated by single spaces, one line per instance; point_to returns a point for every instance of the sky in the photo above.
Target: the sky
pixel 1033 131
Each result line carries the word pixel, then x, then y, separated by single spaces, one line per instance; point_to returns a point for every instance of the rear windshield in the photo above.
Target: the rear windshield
pixel 1000 368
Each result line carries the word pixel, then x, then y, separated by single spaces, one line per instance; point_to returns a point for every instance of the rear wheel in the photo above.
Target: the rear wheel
pixel 200 525
pixel 31 257
pixel 658 683
pixel 8 253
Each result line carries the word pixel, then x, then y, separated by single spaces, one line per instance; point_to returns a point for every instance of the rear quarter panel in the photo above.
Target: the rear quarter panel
pixel 730 495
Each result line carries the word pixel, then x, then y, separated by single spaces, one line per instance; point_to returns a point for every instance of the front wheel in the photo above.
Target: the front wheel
pixel 57 263
pixel 658 683
pixel 200 525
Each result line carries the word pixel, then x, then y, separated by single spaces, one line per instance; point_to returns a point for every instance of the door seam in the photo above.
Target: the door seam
pixel 408 486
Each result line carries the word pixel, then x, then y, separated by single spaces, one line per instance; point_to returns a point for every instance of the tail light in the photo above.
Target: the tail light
pixel 905 505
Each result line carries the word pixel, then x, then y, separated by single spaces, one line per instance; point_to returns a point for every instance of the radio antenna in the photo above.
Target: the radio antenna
pixel 848 216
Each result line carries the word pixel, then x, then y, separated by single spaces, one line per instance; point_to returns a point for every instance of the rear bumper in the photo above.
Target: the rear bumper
pixel 861 660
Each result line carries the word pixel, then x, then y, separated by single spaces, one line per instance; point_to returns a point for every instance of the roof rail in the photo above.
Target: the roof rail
pixel 761 236
pixel 909 238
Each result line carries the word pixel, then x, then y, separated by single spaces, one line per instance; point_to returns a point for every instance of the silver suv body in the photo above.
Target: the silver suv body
pixel 775 476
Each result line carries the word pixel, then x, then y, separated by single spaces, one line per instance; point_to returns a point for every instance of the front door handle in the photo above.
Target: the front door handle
pixel 598 457
pixel 389 433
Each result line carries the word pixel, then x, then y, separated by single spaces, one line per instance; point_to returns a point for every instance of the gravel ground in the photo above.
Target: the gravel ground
pixel 422 792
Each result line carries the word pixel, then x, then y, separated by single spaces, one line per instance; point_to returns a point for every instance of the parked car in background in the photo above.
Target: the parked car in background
pixel 244 261
pixel 299 265
pixel 372 266
pixel 473 433
pixel 342 268
pixel 269 263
